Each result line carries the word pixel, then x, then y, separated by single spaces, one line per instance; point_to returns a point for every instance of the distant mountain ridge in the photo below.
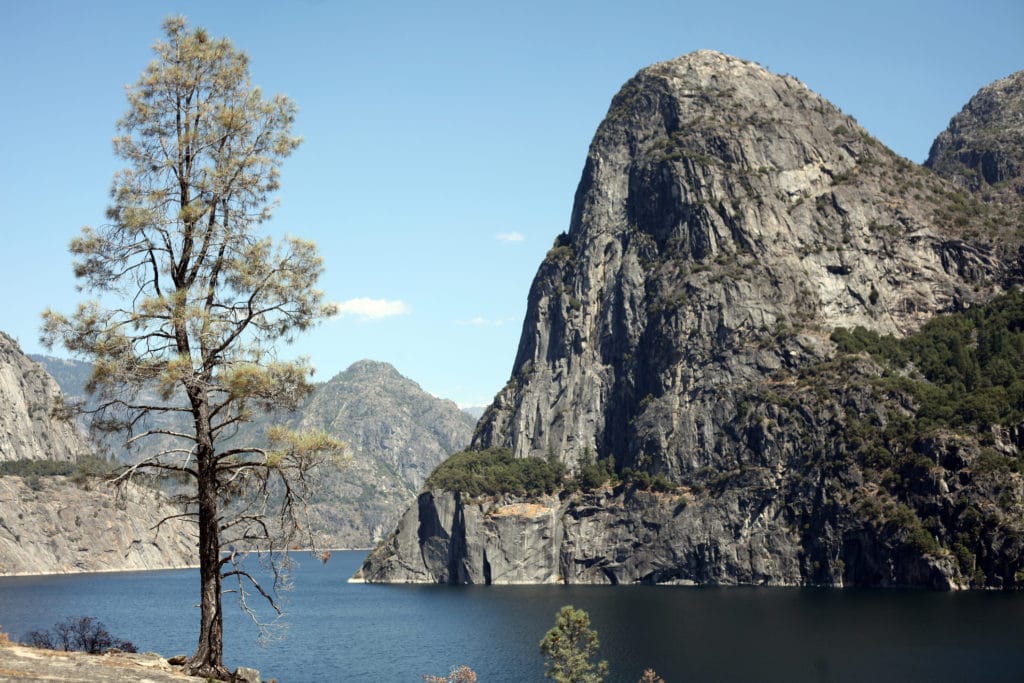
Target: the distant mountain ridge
pixel 396 434
pixel 395 431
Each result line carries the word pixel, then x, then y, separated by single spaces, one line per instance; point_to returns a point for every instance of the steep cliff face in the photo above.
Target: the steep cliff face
pixel 727 222
pixel 27 395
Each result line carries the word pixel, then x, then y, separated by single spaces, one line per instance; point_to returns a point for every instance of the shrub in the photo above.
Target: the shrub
pixel 459 674
pixel 83 634
pixel 495 471
pixel 658 483
pixel 905 525
pixel 593 475
pixel 561 250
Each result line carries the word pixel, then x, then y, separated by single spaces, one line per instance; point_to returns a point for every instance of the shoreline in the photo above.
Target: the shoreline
pixel 74 572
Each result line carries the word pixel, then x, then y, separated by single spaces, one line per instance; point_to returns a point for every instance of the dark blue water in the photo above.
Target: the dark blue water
pixel 356 632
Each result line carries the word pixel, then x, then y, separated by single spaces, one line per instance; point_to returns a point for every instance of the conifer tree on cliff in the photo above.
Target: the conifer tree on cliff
pixel 191 301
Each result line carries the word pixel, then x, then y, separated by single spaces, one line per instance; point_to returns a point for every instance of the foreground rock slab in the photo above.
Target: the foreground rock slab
pixel 19 663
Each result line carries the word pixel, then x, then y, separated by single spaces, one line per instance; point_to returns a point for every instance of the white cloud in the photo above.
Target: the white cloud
pixel 372 309
pixel 509 237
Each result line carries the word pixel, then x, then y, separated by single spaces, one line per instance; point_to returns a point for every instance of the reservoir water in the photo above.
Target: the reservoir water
pixel 358 632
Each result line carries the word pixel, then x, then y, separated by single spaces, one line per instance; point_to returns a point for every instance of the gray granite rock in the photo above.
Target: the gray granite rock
pixel 727 221
pixel 27 396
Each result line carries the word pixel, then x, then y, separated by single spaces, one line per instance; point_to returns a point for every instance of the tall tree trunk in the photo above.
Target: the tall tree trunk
pixel 207 660
pixel 209 655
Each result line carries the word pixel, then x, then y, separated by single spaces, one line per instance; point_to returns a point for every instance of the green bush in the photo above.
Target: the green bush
pixel 495 471
pixel 906 525
pixel 595 474
pixel 649 482
pixel 561 250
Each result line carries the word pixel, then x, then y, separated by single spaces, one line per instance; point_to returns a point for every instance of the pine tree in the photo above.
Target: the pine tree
pixel 568 648
pixel 191 300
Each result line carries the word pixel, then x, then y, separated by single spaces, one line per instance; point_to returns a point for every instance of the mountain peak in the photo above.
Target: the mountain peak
pixel 984 143
pixel 726 221
pixel 368 371
pixel 684 334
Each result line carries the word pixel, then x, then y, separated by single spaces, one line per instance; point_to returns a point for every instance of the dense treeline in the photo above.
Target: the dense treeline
pixel 956 378
pixel 83 468
pixel 495 471
pixel 37 468
pixel 963 369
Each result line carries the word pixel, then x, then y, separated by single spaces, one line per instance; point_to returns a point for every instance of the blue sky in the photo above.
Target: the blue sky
pixel 443 140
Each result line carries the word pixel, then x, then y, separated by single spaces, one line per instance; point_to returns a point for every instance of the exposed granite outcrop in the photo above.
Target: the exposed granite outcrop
pixel 22 663
pixel 53 525
pixel 983 148
pixel 27 396
pixel 59 527
pixel 626 535
pixel 727 221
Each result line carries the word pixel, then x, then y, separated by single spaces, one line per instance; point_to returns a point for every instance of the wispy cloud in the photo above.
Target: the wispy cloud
pixel 365 308
pixel 509 237
pixel 480 321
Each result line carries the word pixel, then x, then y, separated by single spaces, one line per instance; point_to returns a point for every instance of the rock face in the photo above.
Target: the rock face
pixel 620 536
pixel 388 421
pixel 27 395
pixel 58 527
pixel 727 221
pixel 51 525
pixel 983 148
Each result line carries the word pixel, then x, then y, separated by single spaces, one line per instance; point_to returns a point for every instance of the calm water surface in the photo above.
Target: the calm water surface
pixel 357 632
